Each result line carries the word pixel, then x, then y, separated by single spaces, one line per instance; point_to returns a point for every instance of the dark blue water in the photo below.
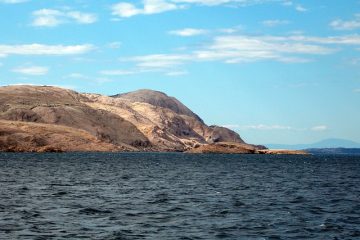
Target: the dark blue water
pixel 178 196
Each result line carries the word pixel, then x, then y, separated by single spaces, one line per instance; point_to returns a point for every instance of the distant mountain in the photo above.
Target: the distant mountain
pixel 327 143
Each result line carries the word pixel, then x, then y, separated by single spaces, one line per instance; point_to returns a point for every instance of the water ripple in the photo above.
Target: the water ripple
pixel 178 196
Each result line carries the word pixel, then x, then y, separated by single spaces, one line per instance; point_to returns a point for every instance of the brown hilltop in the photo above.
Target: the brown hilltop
pixel 44 118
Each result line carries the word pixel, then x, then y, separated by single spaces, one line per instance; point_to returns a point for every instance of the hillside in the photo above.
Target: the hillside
pixel 45 118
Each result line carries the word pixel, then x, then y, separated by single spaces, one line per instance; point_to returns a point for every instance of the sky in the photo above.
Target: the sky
pixel 275 71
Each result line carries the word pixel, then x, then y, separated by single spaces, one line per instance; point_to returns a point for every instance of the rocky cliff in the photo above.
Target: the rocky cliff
pixel 44 118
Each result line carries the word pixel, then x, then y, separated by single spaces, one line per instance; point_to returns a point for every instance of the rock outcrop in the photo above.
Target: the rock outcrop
pixel 239 148
pixel 46 119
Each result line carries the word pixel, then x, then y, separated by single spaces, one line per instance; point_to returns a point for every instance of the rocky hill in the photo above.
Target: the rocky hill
pixel 44 118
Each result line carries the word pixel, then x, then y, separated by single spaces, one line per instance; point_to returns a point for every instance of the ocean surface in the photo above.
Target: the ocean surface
pixel 178 196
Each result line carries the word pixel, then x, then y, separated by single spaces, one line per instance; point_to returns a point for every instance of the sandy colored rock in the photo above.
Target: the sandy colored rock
pixel 57 106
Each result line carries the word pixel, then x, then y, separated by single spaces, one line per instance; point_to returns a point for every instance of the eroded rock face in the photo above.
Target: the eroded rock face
pixel 144 120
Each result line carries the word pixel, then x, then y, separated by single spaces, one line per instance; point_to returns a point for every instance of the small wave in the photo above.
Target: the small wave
pixel 90 211
pixel 59 194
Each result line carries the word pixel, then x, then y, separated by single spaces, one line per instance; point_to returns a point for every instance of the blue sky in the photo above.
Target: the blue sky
pixel 276 71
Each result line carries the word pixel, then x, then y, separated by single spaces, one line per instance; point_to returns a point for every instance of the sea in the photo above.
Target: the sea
pixel 178 196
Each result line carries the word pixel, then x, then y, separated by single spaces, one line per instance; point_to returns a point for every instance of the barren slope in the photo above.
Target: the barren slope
pixel 16 136
pixel 59 106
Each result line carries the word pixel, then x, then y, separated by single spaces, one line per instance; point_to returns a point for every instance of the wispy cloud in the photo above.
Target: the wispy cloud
pixel 13 1
pixel 267 127
pixel 42 49
pixel 357 90
pixel 235 49
pixel 188 32
pixel 160 61
pixel 287 3
pixel 242 48
pixel 32 70
pixel 297 7
pixel 114 45
pixel 75 75
pixel 116 72
pixel 127 9
pixel 228 2
pixel 258 127
pixel 340 24
pixel 319 128
pixel 274 22
pixel 300 8
pixel 52 17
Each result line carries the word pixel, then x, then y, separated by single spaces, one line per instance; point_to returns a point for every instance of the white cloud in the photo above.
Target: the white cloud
pixel 13 1
pixel 229 30
pixel 82 18
pixel 340 24
pixel 300 8
pixel 32 70
pixel 341 40
pixel 75 75
pixel 41 49
pixel 319 128
pixel 220 2
pixel 124 9
pixel 274 22
pixel 243 48
pixel 234 49
pixel 127 9
pixel 357 90
pixel 160 60
pixel 51 17
pixel 188 32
